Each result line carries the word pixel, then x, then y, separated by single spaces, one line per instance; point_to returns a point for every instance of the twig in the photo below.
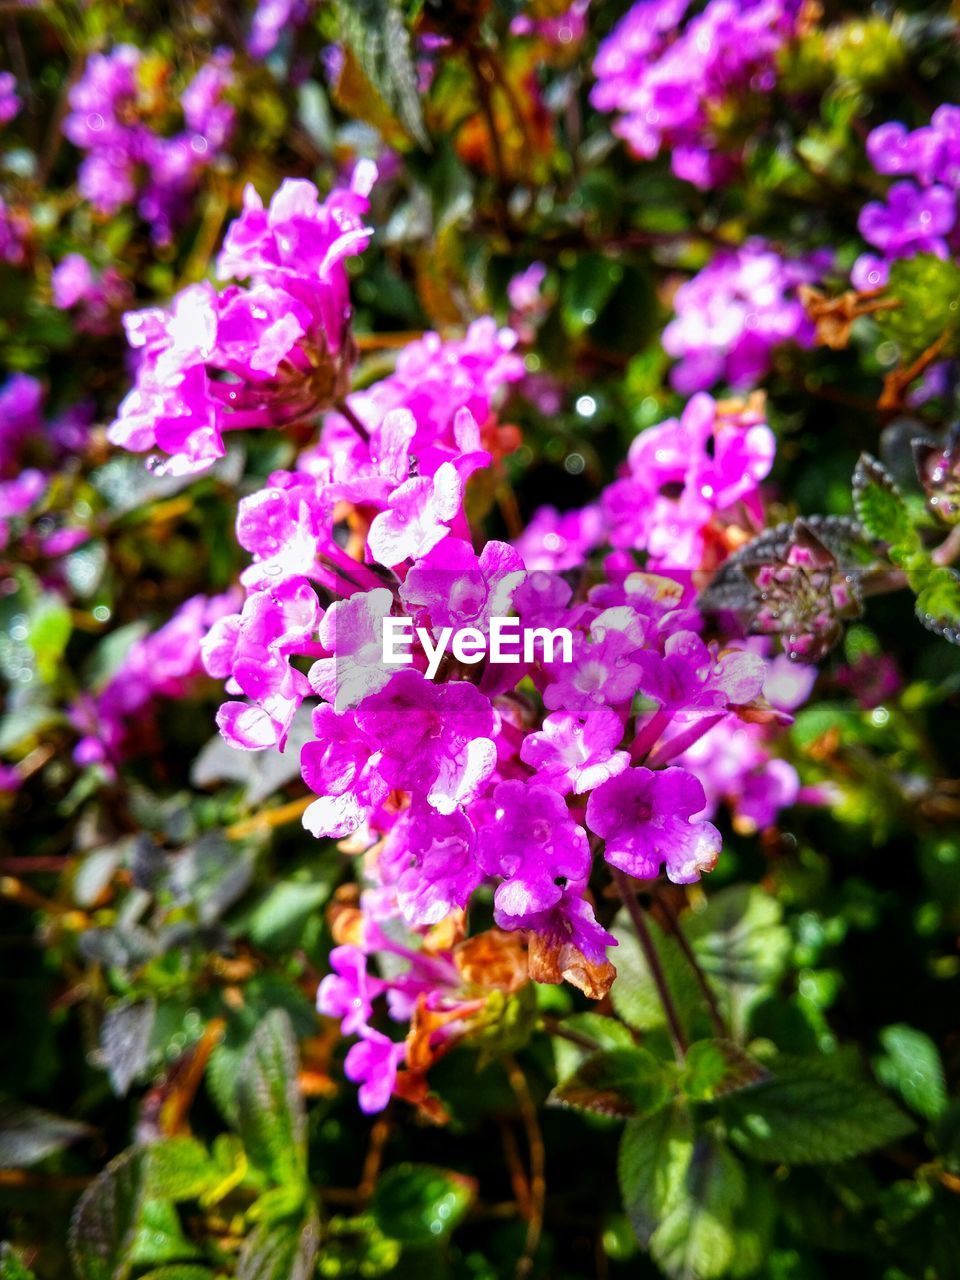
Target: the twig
pixel 635 911
pixel 374 1159
pixel 343 408
pixel 716 1017
pixel 269 819
pixel 538 1163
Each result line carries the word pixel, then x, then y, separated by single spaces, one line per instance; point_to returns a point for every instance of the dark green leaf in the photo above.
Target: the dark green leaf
pixel 696 1239
pixel 420 1203
pixel 809 1113
pixel 28 1134
pixel 713 1068
pixel 125 1041
pixel 280 1250
pixel 911 1064
pixel 740 943
pixel 107 1218
pixel 655 1154
pixel 375 32
pixel 616 1082
pixel 270 1114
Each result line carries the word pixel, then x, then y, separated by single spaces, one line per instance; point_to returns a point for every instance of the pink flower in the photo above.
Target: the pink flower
pixel 372 1063
pixel 690 680
pixel 418 516
pixel 532 842
pixel 646 821
pixel 576 752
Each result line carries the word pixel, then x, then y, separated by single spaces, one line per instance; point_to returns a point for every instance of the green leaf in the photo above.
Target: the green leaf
pixel 809 1113
pixel 911 1064
pixel 420 1203
pixel 125 1041
pixel 713 1068
pixel 280 1250
pixel 599 1029
pixel 740 942
pixel 278 919
pixel 616 1082
pixel 11 1268
pixel 270 1115
pixel 587 290
pixel 634 994
pixel 48 631
pixel 180 1169
pixel 927 288
pixel 655 1154
pixel 881 509
pixel 160 1236
pixel 938 601
pixel 375 32
pixel 28 1134
pixel 107 1218
pixel 696 1239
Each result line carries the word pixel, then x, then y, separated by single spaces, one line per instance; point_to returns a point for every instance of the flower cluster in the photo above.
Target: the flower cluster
pixel 450 775
pixel 114 112
pixel 733 313
pixel 920 213
pixel 96 298
pixel 669 80
pixel 271 350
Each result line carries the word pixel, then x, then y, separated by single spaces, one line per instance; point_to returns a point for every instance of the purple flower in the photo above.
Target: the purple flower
pixel 452 586
pixel 348 993
pixel 418 516
pixel 9 102
pixel 666 79
pixel 691 680
pixel 339 766
pixel 434 739
pixel 576 752
pixel 646 821
pixel 534 844
pixel 433 857
pixel 372 1064
pixel 555 540
pixel 732 314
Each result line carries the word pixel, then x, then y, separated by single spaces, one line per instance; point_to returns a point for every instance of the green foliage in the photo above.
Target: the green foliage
pixel 270 1114
pixel 910 1064
pixel 108 1218
pixel 810 1111
pixel 419 1204
pixel 927 289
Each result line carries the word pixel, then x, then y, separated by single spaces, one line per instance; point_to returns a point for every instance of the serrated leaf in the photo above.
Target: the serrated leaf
pixel 655 1154
pixel 616 1082
pixel 809 1113
pixel 107 1218
pixel 880 506
pixel 911 1064
pixel 420 1203
pixel 179 1168
pixel 696 1239
pixel 28 1134
pixel 280 1250
pixel 604 1032
pixel 125 1041
pixel 270 1115
pixel 375 33
pixel 713 1068
pixel 938 602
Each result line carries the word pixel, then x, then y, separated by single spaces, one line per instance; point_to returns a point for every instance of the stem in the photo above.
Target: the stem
pixel 538 1164
pixel 635 911
pixel 343 408
pixel 716 1017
